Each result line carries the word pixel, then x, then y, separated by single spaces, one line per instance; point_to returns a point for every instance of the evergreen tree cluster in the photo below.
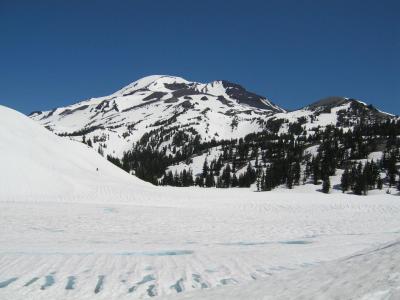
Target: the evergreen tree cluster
pixel 184 178
pixel 269 159
pixel 361 178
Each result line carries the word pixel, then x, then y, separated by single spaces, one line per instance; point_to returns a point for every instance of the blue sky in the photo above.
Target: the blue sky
pixel 53 53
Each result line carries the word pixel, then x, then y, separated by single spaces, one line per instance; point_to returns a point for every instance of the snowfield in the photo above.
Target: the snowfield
pixel 73 226
pixel 163 245
pixel 373 274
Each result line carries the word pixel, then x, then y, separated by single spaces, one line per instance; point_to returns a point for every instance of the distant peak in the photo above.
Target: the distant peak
pixel 330 101
pixel 326 104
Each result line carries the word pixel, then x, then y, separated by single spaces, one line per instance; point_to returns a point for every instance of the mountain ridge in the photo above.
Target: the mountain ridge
pixel 215 109
pixel 146 81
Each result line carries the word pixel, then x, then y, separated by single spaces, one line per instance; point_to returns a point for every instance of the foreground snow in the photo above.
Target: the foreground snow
pixel 153 245
pixel 370 274
pixel 68 231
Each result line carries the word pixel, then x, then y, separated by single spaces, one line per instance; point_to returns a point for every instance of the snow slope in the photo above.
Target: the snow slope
pixel 68 231
pixel 35 162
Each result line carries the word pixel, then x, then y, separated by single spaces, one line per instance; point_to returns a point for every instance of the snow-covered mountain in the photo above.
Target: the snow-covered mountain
pixel 216 110
pixel 163 105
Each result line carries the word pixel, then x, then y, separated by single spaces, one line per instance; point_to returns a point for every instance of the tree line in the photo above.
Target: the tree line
pixel 269 159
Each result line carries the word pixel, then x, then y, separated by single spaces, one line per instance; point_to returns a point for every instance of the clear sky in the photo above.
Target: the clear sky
pixel 54 53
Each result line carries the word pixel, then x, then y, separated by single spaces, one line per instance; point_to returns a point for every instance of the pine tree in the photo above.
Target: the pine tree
pixel 226 177
pixel 360 186
pixel 379 182
pixel 210 181
pixel 199 181
pixel 268 184
pixel 219 183
pixel 326 185
pixel 262 180
pixel 296 173
pixel 176 179
pixel 316 170
pixel 289 180
pixel 235 181
pixel 205 168
pixel 100 150
pixel 170 178
pixel 345 181
pixel 391 170
pixel 251 173
pixel 307 171
pixel 234 165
